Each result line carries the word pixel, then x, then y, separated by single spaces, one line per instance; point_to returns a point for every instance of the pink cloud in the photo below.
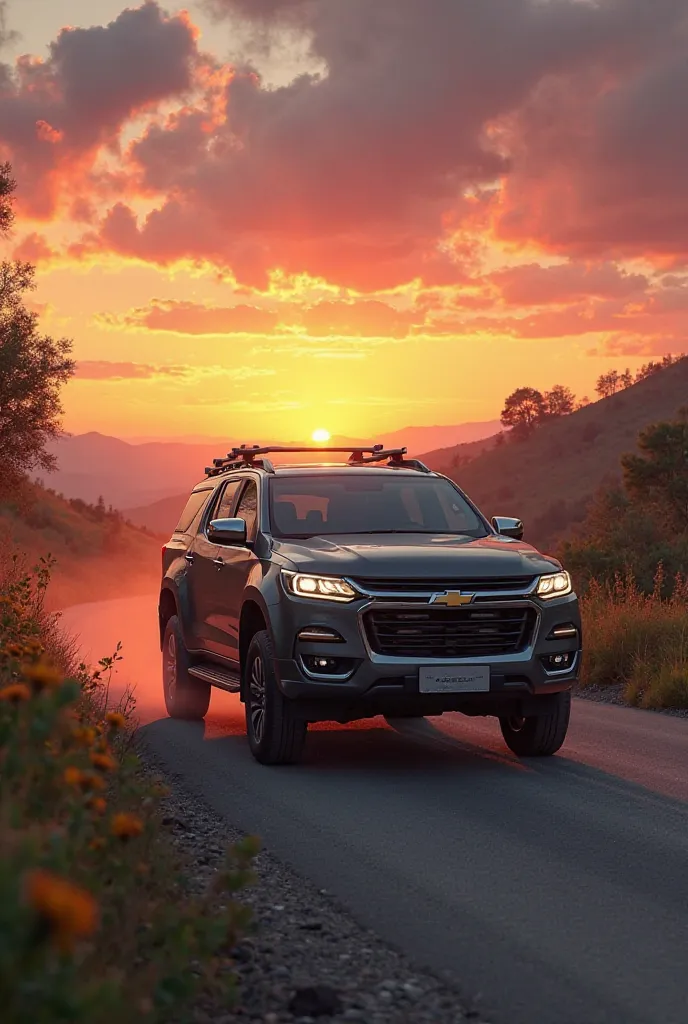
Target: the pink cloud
pixel 57 114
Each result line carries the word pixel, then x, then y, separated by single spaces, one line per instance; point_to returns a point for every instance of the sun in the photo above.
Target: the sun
pixel 321 435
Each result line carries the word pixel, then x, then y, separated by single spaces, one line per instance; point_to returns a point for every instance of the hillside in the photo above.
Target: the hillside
pixel 135 475
pixel 161 516
pixel 549 479
pixel 98 555
pixel 446 460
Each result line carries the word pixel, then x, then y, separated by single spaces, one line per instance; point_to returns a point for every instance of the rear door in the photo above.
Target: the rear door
pixel 204 566
pixel 232 565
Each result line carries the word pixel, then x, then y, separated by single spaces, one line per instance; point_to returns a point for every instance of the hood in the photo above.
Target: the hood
pixel 414 556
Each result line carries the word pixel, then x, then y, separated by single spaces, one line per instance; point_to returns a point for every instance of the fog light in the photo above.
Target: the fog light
pixel 558 662
pixel 323 665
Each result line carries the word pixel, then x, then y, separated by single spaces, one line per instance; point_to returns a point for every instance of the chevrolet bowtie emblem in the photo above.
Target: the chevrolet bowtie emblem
pixel 452 599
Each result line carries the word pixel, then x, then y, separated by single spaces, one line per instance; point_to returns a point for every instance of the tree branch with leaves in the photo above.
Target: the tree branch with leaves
pixel 33 367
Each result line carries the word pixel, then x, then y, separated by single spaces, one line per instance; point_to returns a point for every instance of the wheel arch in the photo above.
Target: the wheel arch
pixel 253 619
pixel 167 607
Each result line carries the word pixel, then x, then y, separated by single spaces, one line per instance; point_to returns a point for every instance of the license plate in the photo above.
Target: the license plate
pixel 451 679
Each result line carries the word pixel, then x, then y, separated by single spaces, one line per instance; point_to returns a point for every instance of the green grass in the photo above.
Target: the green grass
pixel 637 640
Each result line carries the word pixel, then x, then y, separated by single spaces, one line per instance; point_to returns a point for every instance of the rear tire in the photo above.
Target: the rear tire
pixel 539 735
pixel 275 735
pixel 185 696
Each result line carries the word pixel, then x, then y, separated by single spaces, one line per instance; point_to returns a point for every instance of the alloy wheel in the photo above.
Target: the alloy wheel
pixel 257 697
pixel 516 722
pixel 170 665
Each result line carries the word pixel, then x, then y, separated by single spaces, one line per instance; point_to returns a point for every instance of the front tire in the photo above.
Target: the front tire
pixel 275 735
pixel 185 697
pixel 539 735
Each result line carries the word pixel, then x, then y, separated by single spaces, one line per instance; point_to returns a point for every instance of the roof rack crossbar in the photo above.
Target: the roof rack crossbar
pixel 252 456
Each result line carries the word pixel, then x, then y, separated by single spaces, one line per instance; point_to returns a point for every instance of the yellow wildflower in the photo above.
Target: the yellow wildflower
pixel 103 762
pixel 126 826
pixel 91 780
pixel 115 720
pixel 42 675
pixel 72 776
pixel 69 912
pixel 15 693
pixel 97 804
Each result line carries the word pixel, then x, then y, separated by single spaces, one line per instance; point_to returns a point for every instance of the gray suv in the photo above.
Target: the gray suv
pixel 335 592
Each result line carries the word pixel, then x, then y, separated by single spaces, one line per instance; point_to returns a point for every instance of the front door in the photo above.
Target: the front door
pixel 204 569
pixel 232 565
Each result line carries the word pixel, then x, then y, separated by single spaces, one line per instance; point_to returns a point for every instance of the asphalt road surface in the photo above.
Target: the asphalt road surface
pixel 553 892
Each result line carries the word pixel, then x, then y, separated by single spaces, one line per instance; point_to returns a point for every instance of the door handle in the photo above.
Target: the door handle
pixel 189 558
pixel 219 563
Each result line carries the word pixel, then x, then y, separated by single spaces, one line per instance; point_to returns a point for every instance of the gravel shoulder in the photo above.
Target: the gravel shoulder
pixel 614 695
pixel 306 960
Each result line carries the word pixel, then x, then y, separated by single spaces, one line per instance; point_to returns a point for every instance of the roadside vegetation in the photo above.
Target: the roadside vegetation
pixel 96 923
pixel 637 642
pixel 629 558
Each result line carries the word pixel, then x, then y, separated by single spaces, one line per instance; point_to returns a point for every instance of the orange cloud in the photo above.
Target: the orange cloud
pixel 102 369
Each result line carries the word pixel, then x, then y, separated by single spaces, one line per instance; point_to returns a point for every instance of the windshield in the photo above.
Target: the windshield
pixel 359 503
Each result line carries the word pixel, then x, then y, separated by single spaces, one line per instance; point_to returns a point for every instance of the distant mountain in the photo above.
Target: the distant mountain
pixel 130 476
pixel 549 479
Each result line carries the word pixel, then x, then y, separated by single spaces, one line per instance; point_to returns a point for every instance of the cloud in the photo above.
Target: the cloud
pixel 102 369
pixel 533 285
pixel 34 248
pixel 359 174
pixel 328 319
pixel 434 129
pixel 193 318
pixel 57 115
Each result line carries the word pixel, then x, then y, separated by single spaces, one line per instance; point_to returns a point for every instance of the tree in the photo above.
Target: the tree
pixel 559 401
pixel 581 403
pixel 608 384
pixel 33 368
pixel 626 379
pixel 7 187
pixel 523 410
pixel 658 477
pixel 648 370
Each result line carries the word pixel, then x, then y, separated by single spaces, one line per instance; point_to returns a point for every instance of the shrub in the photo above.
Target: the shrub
pixel 95 920
pixel 638 640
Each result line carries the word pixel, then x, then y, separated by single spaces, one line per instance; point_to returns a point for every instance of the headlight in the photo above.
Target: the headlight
pixel 327 588
pixel 556 584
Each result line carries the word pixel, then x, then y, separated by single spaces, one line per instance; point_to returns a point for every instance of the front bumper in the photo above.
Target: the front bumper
pixel 382 684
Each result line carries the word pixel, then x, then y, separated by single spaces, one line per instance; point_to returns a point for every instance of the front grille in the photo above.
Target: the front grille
pixel 491 584
pixel 449 632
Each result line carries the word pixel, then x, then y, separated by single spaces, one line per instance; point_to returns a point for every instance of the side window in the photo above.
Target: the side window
pixel 223 508
pixel 248 509
pixel 193 506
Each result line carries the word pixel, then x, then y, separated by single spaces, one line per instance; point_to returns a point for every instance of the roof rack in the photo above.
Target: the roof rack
pixel 252 457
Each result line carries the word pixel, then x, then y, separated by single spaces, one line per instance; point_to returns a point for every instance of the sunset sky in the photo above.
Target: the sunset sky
pixel 258 217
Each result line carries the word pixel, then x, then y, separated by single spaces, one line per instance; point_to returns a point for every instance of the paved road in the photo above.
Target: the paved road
pixel 554 892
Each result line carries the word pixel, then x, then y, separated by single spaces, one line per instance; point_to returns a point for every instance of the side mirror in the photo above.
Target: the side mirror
pixel 227 531
pixel 508 527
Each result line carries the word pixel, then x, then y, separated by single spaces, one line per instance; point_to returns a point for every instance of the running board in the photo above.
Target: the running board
pixel 223 678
